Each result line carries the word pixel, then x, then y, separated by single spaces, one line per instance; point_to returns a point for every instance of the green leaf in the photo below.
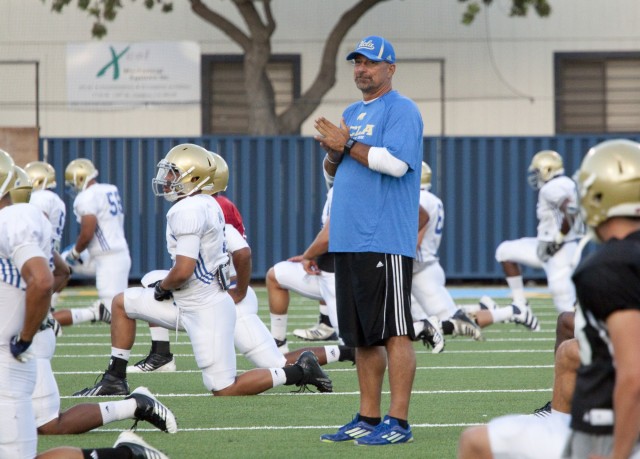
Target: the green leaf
pixel 98 30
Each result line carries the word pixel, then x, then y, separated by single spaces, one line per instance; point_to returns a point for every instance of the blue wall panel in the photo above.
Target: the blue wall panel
pixel 277 184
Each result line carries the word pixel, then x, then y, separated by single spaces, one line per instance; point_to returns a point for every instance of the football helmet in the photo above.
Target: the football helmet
pixel 79 173
pixel 545 165
pixel 20 190
pixel 6 172
pixel 609 181
pixel 42 175
pixel 186 169
pixel 221 175
pixel 425 178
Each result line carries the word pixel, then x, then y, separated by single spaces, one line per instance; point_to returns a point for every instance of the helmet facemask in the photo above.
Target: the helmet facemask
pixel 545 165
pixel 187 169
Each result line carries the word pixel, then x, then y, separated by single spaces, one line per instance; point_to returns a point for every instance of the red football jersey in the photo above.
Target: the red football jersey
pixel 231 213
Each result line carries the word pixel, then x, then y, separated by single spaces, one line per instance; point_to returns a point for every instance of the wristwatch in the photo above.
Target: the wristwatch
pixel 348 146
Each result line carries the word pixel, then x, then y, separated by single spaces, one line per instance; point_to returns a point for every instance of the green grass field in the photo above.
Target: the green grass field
pixel 467 384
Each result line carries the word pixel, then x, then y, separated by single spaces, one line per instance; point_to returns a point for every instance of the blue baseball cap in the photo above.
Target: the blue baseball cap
pixel 374 48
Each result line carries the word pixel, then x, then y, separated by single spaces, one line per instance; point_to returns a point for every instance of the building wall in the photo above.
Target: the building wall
pixel 498 71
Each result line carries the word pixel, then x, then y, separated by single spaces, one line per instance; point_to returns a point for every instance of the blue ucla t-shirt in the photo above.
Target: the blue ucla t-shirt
pixel 371 211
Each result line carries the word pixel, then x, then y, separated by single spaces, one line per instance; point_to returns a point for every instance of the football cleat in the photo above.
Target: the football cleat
pixel 487 304
pixel 139 448
pixel 283 347
pixel 100 312
pixel 431 335
pixel 349 432
pixel 312 373
pixel 388 432
pixel 464 326
pixel 154 362
pixel 524 316
pixel 543 411
pixel 319 332
pixel 108 385
pixel 57 328
pixel 151 410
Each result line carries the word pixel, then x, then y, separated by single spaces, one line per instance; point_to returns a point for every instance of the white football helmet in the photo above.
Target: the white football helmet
pixel 186 169
pixel 42 175
pixel 545 165
pixel 425 178
pixel 6 173
pixel 221 175
pixel 79 173
pixel 20 190
pixel 609 181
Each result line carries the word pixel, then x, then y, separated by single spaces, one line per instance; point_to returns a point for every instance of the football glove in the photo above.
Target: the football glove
pixel 73 257
pixel 159 293
pixel 20 349
pixel 546 250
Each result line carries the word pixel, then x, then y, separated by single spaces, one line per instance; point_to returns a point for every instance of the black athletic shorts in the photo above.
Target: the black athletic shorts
pixel 373 295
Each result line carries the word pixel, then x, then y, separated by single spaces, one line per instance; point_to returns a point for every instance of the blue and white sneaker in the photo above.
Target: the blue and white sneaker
pixel 349 432
pixel 388 432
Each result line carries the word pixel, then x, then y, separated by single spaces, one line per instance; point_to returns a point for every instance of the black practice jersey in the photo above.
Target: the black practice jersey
pixel 608 280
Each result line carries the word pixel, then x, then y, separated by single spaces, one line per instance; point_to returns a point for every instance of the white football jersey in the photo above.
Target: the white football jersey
pixel 53 207
pixel 25 233
pixel 550 197
pixel 235 241
pixel 103 201
pixel 326 210
pixel 428 249
pixel 196 229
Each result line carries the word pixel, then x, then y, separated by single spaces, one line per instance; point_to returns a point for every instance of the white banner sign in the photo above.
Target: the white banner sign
pixel 143 73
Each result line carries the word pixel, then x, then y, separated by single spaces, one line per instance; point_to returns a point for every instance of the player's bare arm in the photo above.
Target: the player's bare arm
pixel 88 225
pixel 180 273
pixel 242 263
pixel 35 271
pixel 623 326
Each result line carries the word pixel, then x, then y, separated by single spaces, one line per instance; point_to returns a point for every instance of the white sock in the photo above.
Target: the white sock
pixel 279 326
pixel 418 327
pixel 159 334
pixel 333 353
pixel 81 315
pixel 277 376
pixel 121 353
pixel 516 285
pixel 324 309
pixel 118 410
pixel 501 314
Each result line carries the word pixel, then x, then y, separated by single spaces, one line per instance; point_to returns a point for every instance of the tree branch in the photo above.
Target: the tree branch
pixel 301 108
pixel 220 22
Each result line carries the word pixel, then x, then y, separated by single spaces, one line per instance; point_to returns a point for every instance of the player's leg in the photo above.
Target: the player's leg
pixel 135 303
pixel 565 327
pixel 512 254
pixel 127 446
pixel 474 443
pixel 559 269
pixel 283 277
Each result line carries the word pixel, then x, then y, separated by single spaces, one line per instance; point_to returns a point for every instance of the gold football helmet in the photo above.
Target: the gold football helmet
pixel 609 181
pixel 42 175
pixel 425 178
pixel 221 175
pixel 79 173
pixel 6 173
pixel 545 165
pixel 187 168
pixel 20 190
